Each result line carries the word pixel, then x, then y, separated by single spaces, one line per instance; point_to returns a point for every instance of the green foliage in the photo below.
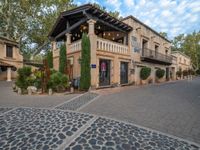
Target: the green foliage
pixel 189 44
pixel 185 72
pixel 24 78
pixel 198 72
pixel 50 59
pixel 164 34
pixel 29 22
pixel 58 82
pixel 62 59
pixel 191 72
pixel 115 14
pixel 38 79
pixel 160 73
pixel 179 73
pixel 85 79
pixel 145 73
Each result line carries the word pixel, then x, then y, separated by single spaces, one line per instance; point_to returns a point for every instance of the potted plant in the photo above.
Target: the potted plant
pixel 159 74
pixel 185 73
pixel 179 74
pixel 144 74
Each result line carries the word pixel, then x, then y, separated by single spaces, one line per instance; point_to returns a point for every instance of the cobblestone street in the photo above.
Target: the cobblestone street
pixel 66 126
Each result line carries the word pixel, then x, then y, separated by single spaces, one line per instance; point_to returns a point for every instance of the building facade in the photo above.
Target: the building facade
pixel 10 59
pixel 183 62
pixel 119 48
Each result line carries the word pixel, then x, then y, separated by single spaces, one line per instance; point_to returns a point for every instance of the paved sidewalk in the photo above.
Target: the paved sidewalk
pixel 8 98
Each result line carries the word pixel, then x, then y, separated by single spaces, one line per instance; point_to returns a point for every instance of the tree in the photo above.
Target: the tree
pixel 190 45
pixel 164 34
pixel 112 13
pixel 62 59
pixel 50 59
pixel 85 79
pixel 30 22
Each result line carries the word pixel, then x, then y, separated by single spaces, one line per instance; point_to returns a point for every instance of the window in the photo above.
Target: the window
pixel 9 51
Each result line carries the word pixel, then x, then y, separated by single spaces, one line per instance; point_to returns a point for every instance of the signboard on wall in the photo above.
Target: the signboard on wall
pixel 93 65
pixel 135 45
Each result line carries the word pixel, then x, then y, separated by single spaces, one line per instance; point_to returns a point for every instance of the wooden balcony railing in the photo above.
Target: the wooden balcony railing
pixel 153 55
pixel 106 45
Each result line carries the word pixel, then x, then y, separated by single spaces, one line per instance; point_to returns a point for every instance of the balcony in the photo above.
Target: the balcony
pixel 75 46
pixel 110 46
pixel 155 57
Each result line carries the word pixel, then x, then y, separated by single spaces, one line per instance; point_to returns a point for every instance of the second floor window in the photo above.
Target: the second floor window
pixel 9 51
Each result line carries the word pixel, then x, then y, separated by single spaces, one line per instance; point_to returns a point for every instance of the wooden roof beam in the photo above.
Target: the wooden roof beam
pixel 71 28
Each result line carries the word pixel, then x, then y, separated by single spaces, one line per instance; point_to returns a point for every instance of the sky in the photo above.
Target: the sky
pixel 171 16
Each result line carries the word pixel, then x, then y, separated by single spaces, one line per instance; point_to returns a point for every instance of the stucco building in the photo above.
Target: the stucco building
pixel 183 62
pixel 119 48
pixel 10 59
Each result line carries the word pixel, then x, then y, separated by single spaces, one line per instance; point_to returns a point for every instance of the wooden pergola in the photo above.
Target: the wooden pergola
pixel 75 22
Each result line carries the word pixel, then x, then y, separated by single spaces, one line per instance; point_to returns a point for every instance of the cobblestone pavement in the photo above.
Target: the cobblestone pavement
pixel 106 134
pixel 4 109
pixel 28 128
pixel 78 102
pixel 45 129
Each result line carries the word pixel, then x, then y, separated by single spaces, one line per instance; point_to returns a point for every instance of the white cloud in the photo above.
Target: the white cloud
pixel 166 13
pixel 129 3
pixel 115 3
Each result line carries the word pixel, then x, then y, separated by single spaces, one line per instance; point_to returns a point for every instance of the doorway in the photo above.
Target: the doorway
pixel 124 73
pixel 104 72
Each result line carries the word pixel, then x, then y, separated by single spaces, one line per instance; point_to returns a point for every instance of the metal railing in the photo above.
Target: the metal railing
pixel 152 54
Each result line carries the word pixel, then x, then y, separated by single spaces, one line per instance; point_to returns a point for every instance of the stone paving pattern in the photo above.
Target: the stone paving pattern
pixel 26 128
pixel 4 109
pixel 106 134
pixel 78 102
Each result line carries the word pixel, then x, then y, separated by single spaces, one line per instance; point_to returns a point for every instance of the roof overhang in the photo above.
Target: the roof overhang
pixel 69 20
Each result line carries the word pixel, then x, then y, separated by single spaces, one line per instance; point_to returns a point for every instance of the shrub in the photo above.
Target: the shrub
pixel 24 78
pixel 85 79
pixel 160 73
pixel 58 82
pixel 145 73
pixel 38 79
pixel 191 72
pixel 185 72
pixel 179 73
pixel 50 59
pixel 198 72
pixel 62 59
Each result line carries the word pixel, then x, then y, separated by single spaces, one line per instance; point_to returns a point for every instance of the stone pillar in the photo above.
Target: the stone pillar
pixel 93 49
pixel 116 70
pixel 153 74
pixel 68 41
pixel 53 43
pixel 9 74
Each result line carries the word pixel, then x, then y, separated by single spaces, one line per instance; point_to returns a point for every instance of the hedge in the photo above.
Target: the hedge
pixel 145 73
pixel 160 73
